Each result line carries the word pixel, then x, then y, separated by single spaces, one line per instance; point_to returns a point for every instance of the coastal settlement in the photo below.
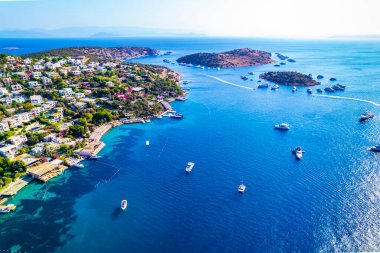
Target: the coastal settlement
pixel 55 109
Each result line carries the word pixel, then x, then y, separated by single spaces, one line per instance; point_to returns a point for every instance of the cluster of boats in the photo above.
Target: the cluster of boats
pixel 336 87
pixel 7 209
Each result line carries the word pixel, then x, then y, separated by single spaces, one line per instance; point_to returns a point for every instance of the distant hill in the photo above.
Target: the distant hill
pixel 230 59
pixel 97 53
pixel 94 32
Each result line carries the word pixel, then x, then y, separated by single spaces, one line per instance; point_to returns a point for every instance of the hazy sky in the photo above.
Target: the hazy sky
pixel 274 18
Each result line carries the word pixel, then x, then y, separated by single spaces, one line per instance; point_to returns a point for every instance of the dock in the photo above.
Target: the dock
pixel 166 106
pixel 16 186
pixel 2 201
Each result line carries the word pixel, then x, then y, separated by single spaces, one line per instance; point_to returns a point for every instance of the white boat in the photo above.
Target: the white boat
pixel 78 165
pixel 218 68
pixel 294 89
pixel 375 148
pixel 147 143
pixel 124 204
pixel 282 126
pixel 298 152
pixel 94 157
pixel 366 116
pixel 7 209
pixel 159 116
pixel 241 188
pixel 275 87
pixel 310 90
pixel 189 167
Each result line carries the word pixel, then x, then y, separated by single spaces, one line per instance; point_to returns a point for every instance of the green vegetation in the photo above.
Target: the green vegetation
pixel 10 171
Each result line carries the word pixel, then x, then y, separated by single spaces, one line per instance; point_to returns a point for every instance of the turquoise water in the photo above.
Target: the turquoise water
pixel 327 202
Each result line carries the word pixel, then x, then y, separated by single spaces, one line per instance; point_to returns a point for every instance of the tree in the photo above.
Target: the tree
pixel 28 106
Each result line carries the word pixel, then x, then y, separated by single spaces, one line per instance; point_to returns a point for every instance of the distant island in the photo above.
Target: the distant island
pixel 289 78
pixel 230 59
pixel 101 54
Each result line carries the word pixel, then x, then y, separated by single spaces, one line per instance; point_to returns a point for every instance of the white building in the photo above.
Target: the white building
pixel 16 87
pixel 3 92
pixel 34 84
pixel 18 140
pixel 4 126
pixel 8 151
pixel 36 100
pixel 66 92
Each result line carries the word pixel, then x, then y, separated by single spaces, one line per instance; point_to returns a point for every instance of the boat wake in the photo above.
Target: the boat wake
pixel 227 82
pixel 348 98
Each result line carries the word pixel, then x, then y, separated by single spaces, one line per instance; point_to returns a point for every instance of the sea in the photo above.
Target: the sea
pixel 327 202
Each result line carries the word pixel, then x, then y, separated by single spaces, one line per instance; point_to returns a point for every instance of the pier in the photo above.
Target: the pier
pixel 16 186
pixel 166 106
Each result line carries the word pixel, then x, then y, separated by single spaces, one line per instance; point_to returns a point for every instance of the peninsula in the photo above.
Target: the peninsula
pixel 55 106
pixel 230 59
pixel 101 54
pixel 289 78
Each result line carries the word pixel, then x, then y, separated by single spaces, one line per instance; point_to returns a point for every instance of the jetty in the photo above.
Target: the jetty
pixel 46 171
pixel 16 186
pixel 166 106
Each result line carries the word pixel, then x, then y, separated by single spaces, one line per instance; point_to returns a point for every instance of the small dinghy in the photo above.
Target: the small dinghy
pixel 124 204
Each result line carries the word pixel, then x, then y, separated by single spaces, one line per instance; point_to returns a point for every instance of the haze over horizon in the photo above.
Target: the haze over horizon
pixel 113 18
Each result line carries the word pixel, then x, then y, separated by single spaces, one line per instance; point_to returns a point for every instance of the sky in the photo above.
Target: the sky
pixel 251 18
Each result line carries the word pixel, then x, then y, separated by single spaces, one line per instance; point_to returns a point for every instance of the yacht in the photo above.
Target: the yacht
pixel 250 73
pixel 294 89
pixel 263 86
pixel 282 126
pixel 124 204
pixel 375 148
pixel 329 89
pixel 275 87
pixel 244 78
pixel 320 77
pixel 189 167
pixel 338 87
pixel 298 153
pixel 319 90
pixel 78 165
pixel 218 68
pixel 147 142
pixel 166 61
pixel 241 188
pixel 366 116
pixel 94 157
pixel 310 90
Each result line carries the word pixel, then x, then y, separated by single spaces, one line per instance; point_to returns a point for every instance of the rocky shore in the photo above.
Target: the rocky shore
pixel 230 59
pixel 289 78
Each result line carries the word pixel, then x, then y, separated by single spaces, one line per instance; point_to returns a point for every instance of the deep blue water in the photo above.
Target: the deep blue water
pixel 329 201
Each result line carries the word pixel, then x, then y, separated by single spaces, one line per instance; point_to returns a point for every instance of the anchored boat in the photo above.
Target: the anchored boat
pixel 282 126
pixel 124 204
pixel 189 167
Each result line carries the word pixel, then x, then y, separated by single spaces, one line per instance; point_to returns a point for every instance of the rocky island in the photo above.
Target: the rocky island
pixel 289 78
pixel 100 54
pixel 230 59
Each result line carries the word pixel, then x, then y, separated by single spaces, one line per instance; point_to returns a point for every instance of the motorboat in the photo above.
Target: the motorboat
pixel 241 188
pixel 319 90
pixel 309 90
pixel 298 152
pixel 320 77
pixel 189 167
pixel 275 87
pixel 244 78
pixel 366 116
pixel 329 89
pixel 94 157
pixel 282 126
pixel 250 73
pixel 333 79
pixel 263 86
pixel 294 89
pixel 124 204
pixel 78 165
pixel 375 148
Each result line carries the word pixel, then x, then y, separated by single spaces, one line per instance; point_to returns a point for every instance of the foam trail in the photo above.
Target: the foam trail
pixel 348 98
pixel 227 82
